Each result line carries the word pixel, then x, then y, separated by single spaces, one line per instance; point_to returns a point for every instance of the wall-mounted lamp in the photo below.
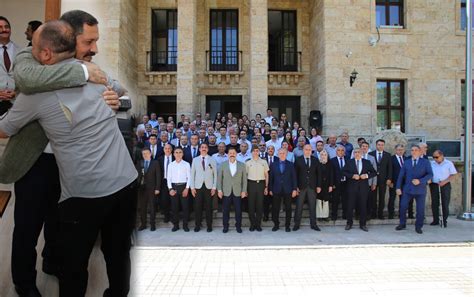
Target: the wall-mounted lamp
pixel 353 77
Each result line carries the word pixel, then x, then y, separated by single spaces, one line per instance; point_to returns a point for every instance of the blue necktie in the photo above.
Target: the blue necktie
pixel 147 163
pixel 282 167
pixel 194 152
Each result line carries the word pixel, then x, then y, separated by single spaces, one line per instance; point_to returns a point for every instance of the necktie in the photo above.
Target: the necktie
pixel 194 152
pixel 153 151
pixel 414 163
pixel 282 167
pixel 270 160
pixel 358 166
pixel 401 161
pixel 380 158
pixel 307 162
pixel 340 163
pixel 203 163
pixel 146 165
pixel 167 164
pixel 6 58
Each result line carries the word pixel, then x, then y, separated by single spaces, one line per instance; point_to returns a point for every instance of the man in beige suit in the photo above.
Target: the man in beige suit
pixel 203 185
pixel 232 188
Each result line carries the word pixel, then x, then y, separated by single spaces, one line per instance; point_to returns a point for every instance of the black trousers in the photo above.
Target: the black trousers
pixel 339 196
pixel 203 199
pixel 445 198
pixel 267 204
pixel 146 204
pixel 277 199
pixel 165 200
pixel 36 204
pixel 391 203
pixel 378 201
pixel 255 202
pixel 371 203
pixel 226 202
pixel 178 200
pixel 81 220
pixel 357 198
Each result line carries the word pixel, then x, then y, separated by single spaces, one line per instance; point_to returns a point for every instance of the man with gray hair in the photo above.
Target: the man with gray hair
pixel 298 150
pixel 96 192
pixel 331 146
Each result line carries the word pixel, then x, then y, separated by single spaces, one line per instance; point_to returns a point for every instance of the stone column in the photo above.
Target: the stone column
pixel 258 57
pixel 186 82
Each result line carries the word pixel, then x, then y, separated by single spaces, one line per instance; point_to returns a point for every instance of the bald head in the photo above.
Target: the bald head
pixel 53 42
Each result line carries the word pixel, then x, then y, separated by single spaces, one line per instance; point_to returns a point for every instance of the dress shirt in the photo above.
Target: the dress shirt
pixel 443 170
pixel 307 161
pixel 401 160
pixel 233 167
pixel 414 162
pixel 248 142
pixel 298 152
pixel 194 151
pixel 276 144
pixel 290 157
pixel 153 149
pixel 178 173
pixel 268 120
pixel 359 165
pixel 220 159
pixel 378 156
pixel 6 78
pixel 243 157
pixel 153 123
pixel 224 139
pixel 316 154
pixel 331 150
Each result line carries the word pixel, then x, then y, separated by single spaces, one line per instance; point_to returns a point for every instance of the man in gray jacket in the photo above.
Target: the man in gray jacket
pixel 203 184
pixel 232 188
pixel 95 188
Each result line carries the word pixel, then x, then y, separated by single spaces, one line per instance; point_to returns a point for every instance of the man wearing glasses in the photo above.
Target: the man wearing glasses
pixel 443 173
pixel 411 183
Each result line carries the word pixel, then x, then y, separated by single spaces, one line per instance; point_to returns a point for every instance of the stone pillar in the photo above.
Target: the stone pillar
pixel 258 57
pixel 186 80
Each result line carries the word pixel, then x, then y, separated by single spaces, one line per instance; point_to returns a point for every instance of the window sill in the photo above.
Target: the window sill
pixel 392 30
pixel 161 77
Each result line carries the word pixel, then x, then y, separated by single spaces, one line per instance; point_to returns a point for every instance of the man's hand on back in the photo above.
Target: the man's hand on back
pixel 112 99
pixel 96 75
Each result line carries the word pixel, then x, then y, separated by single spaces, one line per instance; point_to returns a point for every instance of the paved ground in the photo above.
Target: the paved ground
pixel 325 271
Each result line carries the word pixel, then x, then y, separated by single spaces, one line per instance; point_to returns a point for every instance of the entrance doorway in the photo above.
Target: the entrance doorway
pixel 289 105
pixel 163 106
pixel 224 104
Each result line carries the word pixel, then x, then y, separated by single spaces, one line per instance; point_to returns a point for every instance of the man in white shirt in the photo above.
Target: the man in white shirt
pixel 443 173
pixel 269 116
pixel 222 137
pixel 153 121
pixel 274 140
pixel 178 176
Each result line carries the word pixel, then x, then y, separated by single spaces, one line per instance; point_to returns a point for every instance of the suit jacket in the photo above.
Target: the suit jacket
pixel 274 159
pixel 421 171
pixel 384 168
pixel 200 177
pixel 351 168
pixel 151 179
pixel 373 180
pixel 188 154
pixel 396 167
pixel 232 184
pixel 282 182
pixel 24 148
pixel 161 161
pixel 160 149
pixel 308 177
pixel 338 175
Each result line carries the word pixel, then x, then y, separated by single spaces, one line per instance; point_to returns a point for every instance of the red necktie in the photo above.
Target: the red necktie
pixel 6 58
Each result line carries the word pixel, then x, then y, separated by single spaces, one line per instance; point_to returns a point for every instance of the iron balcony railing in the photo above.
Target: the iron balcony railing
pixel 161 61
pixel 223 60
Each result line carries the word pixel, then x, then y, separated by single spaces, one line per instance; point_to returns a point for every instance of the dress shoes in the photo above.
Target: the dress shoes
pixel 185 228
pixel 27 292
pixel 275 228
pixel 315 228
pixel 152 228
pixel 252 228
pixel 141 228
pixel 197 229
pixel 419 231
pixel 296 228
pixel 225 230
pixel 259 229
pixel 239 230
pixel 348 227
pixel 287 229
pixel 364 228
pixel 400 227
pixel 445 224
pixel 209 229
pixel 175 228
pixel 411 217
pixel 434 224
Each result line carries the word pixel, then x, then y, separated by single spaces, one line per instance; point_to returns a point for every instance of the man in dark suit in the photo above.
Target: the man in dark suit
pixel 149 182
pixel 384 175
pixel 411 183
pixel 339 193
pixel 165 199
pixel 397 163
pixel 267 201
pixel 357 172
pixel 161 144
pixel 309 180
pixel 282 187
pixel 153 146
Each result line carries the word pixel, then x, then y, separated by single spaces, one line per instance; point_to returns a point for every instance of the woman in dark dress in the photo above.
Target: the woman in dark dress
pixel 327 183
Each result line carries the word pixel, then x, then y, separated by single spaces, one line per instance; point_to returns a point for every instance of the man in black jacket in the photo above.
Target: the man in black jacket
pixel 165 200
pixel 339 194
pixel 309 181
pixel 357 172
pixel 384 175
